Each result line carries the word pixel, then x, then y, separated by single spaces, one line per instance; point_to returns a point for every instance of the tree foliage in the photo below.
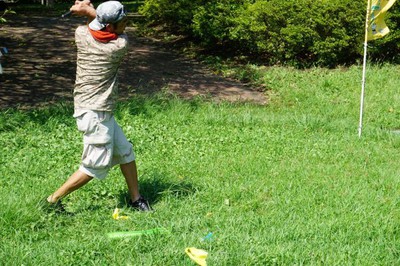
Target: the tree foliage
pixel 296 32
pixel 4 13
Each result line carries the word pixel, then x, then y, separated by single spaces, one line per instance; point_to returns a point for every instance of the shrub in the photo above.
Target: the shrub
pixel 302 33
pixel 176 15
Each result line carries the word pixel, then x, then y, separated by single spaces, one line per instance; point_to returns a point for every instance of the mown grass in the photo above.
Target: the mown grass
pixel 283 184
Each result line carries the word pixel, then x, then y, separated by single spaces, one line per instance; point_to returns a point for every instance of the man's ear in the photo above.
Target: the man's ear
pixel 110 28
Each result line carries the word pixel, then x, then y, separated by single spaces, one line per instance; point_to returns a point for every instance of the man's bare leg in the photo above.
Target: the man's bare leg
pixel 75 181
pixel 129 171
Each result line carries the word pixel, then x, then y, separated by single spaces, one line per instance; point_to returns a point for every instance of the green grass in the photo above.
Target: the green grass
pixel 289 183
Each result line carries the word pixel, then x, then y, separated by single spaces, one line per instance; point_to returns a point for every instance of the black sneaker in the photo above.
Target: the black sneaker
pixel 140 204
pixel 49 207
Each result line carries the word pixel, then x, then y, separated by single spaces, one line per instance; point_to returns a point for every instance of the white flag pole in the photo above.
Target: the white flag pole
pixel 364 69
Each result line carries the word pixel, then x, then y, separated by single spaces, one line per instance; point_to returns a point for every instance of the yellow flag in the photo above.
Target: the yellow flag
pixel 376 24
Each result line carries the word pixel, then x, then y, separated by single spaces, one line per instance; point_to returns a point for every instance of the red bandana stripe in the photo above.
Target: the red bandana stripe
pixel 103 36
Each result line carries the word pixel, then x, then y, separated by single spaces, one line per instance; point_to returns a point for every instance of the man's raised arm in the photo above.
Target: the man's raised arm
pixel 84 8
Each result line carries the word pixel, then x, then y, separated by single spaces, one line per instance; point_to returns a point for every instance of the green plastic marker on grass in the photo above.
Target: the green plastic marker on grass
pixel 137 233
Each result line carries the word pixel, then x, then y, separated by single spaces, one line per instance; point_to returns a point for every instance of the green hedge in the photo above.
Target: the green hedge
pixel 302 33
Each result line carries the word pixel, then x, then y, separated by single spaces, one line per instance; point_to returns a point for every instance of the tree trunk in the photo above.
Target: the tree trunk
pixel 50 3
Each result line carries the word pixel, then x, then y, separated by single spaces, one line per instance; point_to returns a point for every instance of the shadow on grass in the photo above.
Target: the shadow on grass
pixel 156 103
pixel 156 188
pixel 12 119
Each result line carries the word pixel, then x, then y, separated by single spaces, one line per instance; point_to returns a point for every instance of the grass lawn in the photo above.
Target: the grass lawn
pixel 289 183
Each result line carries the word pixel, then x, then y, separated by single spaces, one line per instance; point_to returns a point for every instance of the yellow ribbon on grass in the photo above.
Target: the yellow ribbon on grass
pixel 197 255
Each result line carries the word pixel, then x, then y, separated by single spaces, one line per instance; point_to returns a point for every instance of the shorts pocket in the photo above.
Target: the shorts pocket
pixel 97 156
pixel 87 123
pixel 96 126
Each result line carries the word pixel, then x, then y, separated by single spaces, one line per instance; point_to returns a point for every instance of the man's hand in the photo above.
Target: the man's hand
pixel 84 8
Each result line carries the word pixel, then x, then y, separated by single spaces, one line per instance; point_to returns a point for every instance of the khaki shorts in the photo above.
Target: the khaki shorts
pixel 104 143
